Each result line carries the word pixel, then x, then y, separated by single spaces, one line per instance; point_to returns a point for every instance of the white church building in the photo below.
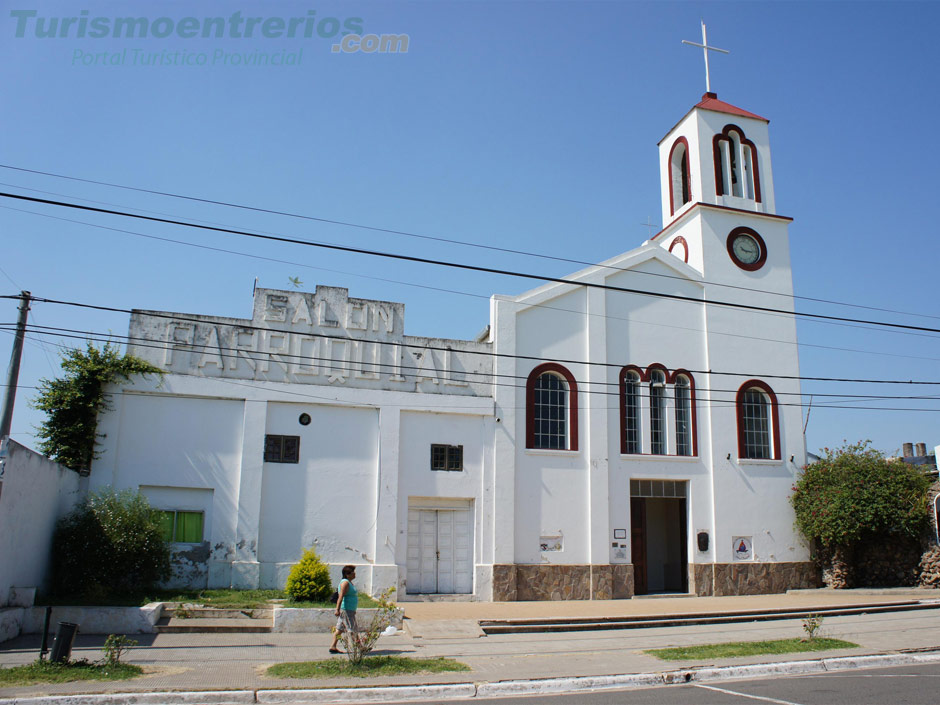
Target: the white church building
pixel 632 429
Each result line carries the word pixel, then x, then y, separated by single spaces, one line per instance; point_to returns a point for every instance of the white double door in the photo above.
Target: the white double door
pixel 440 550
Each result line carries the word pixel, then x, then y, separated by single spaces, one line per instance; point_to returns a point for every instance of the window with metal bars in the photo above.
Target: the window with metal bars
pixel 551 412
pixel 281 449
pixel 683 395
pixel 446 458
pixel 657 412
pixel 755 417
pixel 631 413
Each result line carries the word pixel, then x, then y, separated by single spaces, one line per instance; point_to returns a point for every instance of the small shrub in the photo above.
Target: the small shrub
pixel 110 544
pixel 358 644
pixel 115 647
pixel 811 625
pixel 309 580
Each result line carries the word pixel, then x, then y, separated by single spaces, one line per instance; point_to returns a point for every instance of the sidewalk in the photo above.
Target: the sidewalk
pixel 236 662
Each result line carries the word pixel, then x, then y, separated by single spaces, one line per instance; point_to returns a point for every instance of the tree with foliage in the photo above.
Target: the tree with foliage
pixel 110 544
pixel 72 402
pixel 309 579
pixel 854 495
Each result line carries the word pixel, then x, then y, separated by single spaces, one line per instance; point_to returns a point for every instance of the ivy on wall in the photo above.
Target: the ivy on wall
pixel 73 401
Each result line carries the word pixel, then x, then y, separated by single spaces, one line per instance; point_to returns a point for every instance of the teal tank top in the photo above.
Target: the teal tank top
pixel 351 598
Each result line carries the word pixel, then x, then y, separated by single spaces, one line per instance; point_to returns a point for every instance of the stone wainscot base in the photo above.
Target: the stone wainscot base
pixel 610 582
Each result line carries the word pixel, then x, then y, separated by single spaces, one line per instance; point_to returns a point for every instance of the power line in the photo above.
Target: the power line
pixel 469 267
pixel 489 353
pixel 699 400
pixel 405 233
pixel 349 365
pixel 486 297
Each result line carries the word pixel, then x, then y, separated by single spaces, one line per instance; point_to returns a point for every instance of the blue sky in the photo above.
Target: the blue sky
pixel 527 125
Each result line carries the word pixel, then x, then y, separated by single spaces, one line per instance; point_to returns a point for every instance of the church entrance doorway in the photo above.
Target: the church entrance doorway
pixel 659 536
pixel 440 548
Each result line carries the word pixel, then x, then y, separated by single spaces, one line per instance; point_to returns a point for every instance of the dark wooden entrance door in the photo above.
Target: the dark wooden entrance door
pixel 662 524
pixel 638 544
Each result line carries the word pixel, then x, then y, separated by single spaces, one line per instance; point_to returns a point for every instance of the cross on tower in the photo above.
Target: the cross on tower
pixel 705 49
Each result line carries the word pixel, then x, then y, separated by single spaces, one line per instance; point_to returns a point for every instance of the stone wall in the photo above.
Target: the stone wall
pixel 752 578
pixel 561 582
pixel 605 582
pixel 504 583
pixel 623 581
pixel 702 579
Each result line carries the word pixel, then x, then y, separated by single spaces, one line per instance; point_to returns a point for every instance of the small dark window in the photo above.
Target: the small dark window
pixel 445 457
pixel 281 449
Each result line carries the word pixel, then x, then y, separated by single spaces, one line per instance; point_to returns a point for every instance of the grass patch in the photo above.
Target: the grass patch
pixel 228 599
pixel 48 672
pixel 748 648
pixel 370 666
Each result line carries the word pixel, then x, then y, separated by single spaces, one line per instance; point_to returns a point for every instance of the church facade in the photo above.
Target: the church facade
pixel 633 429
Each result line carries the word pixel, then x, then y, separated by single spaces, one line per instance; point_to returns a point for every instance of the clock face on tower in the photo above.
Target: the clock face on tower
pixel 747 249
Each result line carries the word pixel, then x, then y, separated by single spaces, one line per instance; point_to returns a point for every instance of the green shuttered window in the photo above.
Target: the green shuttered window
pixel 181 527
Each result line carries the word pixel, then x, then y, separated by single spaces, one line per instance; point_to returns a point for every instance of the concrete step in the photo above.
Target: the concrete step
pixel 242 625
pixel 218 613
pixel 521 626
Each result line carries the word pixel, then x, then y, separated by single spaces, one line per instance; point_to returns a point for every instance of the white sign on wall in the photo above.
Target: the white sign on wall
pixel 741 548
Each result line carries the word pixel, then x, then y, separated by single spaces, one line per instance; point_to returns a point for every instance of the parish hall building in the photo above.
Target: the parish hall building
pixel 632 429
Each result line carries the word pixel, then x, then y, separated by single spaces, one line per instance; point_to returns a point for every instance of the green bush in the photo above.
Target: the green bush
pixel 110 544
pixel 854 492
pixel 309 580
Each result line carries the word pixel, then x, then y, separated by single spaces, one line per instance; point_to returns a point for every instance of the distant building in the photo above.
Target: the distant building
pixel 633 429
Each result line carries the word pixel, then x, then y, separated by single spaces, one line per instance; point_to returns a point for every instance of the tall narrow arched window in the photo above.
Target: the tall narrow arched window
pixel 630 411
pixel 680 179
pixel 736 165
pixel 551 408
pixel 758 423
pixel 657 412
pixel 684 431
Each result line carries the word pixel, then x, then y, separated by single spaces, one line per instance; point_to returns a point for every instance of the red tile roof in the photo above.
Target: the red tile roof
pixel 710 102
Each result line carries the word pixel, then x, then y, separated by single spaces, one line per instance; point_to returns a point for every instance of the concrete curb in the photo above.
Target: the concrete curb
pixel 206 697
pixel 372 695
pixel 548 686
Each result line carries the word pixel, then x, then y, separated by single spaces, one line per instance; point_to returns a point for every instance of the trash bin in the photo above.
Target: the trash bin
pixel 62 646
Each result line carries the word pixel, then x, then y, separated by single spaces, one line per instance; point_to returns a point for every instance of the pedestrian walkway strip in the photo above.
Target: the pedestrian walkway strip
pixel 548 686
pixel 574 624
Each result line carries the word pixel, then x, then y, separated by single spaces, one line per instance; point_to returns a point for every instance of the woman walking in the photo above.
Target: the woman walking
pixel 346 606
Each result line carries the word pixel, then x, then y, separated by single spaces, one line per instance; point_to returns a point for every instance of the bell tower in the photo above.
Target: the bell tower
pixel 718 154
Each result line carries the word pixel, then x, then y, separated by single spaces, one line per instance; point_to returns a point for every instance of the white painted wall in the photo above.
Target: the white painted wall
pixel 327 500
pixel 36 493
pixel 417 482
pixel 177 450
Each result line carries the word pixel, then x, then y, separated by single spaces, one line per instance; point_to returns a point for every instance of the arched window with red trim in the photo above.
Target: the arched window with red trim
pixel 736 165
pixel 630 393
pixel 657 387
pixel 551 408
pixel 685 438
pixel 758 422
pixel 669 433
pixel 680 178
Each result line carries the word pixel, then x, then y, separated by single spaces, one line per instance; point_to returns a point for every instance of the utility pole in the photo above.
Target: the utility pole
pixel 13 374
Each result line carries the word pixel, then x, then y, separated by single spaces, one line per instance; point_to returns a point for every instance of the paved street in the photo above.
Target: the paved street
pixel 905 685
